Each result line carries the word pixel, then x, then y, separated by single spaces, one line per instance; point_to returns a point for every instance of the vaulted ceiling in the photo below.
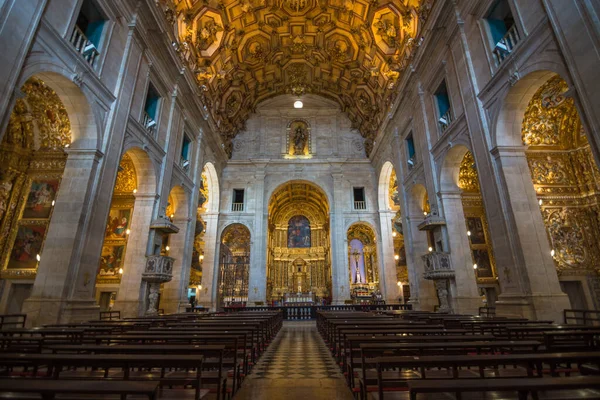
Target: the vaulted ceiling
pixel 245 51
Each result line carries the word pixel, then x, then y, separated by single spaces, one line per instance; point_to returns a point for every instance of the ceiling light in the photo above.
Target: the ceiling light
pixel 298 104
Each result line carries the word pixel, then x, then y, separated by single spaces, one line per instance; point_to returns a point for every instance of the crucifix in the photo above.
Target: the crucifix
pixel 356 255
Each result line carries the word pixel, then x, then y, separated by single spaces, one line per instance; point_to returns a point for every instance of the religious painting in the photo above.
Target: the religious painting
pixel 27 246
pixel 481 257
pixel 475 226
pixel 118 223
pixel 39 201
pixel 299 232
pixel 111 260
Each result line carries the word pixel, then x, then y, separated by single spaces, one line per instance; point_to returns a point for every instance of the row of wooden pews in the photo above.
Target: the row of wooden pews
pixel 188 355
pixel 401 354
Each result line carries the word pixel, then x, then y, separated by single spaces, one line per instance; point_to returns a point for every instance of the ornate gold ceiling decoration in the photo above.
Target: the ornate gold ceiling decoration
pixel 126 181
pixel 468 179
pixel 362 232
pixel 551 118
pixel 237 238
pixel 299 198
pixel 245 51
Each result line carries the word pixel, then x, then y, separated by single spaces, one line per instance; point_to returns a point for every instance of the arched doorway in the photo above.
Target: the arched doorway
pixel 34 160
pixel 363 265
pixel 298 254
pixel 566 180
pixel 116 235
pixel 234 266
pixel 205 237
pixel 478 232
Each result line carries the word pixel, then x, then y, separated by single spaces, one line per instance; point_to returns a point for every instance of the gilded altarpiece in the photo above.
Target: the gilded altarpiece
pixel 362 260
pixel 118 224
pixel 32 162
pixel 476 221
pixel 398 236
pixel 566 180
pixel 298 257
pixel 234 265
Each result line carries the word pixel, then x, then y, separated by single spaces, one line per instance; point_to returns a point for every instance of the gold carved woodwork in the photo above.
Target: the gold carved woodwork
pixel 364 234
pixel 126 181
pixel 565 177
pixel 551 118
pixel 468 179
pixel 479 242
pixel 243 52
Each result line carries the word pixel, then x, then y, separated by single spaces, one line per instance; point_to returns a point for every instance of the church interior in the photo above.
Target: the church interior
pixel 325 199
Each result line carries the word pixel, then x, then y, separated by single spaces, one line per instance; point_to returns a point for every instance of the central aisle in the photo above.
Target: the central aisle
pixel 297 365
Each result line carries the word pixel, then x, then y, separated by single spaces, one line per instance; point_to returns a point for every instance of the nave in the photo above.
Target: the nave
pixel 349 352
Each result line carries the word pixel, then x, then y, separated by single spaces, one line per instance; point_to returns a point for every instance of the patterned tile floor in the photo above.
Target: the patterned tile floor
pixel 297 365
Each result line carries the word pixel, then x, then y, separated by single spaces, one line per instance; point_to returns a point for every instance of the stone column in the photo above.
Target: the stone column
pixel 465 298
pixel 531 288
pixel 340 285
pixel 19 21
pixel 210 265
pixel 387 264
pixel 62 287
pixel 129 298
pixel 174 296
pixel 257 282
pixel 423 296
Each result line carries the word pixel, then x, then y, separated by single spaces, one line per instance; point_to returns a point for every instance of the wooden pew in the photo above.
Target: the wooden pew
pixel 523 386
pixel 49 388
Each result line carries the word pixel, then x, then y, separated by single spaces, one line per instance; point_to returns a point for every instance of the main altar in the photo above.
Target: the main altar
pixel 298 258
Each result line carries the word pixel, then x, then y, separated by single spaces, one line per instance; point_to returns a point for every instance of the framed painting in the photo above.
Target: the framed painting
pixel 111 260
pixel 481 257
pixel 475 226
pixel 27 245
pixel 39 200
pixel 299 232
pixel 117 224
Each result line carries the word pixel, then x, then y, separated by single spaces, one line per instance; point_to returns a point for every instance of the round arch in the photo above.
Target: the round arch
pixel 384 185
pixel 212 184
pixel 451 167
pixel 145 171
pixel 85 130
pixel 180 200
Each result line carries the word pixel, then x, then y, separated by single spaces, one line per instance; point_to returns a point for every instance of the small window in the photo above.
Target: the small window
pixel 184 161
pixel 88 30
pixel 238 200
pixel 502 30
pixel 151 109
pixel 443 105
pixel 359 198
pixel 410 151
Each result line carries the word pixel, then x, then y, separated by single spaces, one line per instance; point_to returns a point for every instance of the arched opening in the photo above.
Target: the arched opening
pixel 478 232
pixel 298 229
pixel 234 266
pixel 125 248
pixel 202 263
pixel 31 173
pixel 174 293
pixel 566 180
pixel 363 266
pixel 391 224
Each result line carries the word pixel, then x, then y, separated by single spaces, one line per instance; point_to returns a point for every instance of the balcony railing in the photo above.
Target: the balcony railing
pixel 506 45
pixel 360 205
pixel 84 47
pixel 438 265
pixel 184 164
pixel 149 123
pixel 237 207
pixel 445 120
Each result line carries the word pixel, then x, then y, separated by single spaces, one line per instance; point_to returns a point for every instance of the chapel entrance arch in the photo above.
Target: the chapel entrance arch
pixel 299 246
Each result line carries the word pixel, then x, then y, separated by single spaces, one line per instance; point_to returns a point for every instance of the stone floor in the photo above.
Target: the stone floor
pixel 297 365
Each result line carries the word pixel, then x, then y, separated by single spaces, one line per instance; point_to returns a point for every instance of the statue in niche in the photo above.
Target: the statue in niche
pixel 300 139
